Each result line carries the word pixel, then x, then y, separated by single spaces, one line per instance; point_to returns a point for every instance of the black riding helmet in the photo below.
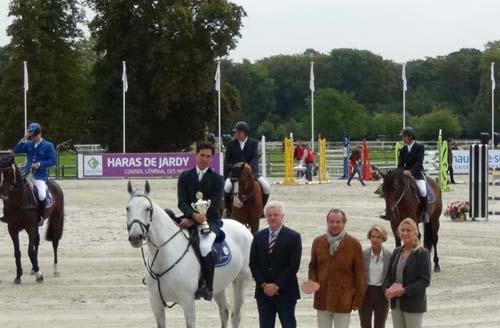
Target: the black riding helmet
pixel 242 126
pixel 409 131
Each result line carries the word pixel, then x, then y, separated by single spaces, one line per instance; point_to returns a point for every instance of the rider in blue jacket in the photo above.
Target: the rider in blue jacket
pixel 40 156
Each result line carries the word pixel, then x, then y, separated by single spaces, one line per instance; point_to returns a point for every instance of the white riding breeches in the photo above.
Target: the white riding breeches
pixel 266 188
pixel 206 242
pixel 422 187
pixel 41 187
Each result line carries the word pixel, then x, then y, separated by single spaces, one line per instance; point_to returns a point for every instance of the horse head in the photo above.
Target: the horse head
pixel 10 175
pixel 139 214
pixel 242 178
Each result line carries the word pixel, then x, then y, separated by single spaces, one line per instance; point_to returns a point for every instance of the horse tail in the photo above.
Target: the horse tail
pixel 56 220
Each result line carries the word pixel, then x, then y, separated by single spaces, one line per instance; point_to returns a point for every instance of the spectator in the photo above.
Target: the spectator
pixel 297 155
pixel 408 277
pixel 274 262
pixel 356 166
pixel 308 159
pixel 451 147
pixel 337 266
pixel 377 259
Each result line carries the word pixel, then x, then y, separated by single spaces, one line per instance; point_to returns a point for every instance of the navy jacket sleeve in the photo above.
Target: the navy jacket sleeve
pixel 254 262
pixel 21 147
pixel 182 195
pixel 217 194
pixel 254 161
pixel 424 269
pixel 418 166
pixel 295 253
pixel 227 160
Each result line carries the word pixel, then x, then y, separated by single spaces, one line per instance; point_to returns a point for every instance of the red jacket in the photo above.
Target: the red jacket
pixel 298 153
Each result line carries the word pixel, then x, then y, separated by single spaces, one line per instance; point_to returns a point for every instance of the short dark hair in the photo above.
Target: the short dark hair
pixel 205 145
pixel 336 211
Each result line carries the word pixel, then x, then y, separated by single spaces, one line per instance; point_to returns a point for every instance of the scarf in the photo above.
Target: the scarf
pixel 334 241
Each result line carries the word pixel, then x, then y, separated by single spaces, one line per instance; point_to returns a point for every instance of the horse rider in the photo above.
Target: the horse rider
pixel 202 181
pixel 411 160
pixel 243 149
pixel 40 156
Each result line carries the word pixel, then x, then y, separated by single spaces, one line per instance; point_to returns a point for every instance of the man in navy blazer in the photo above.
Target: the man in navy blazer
pixel 274 262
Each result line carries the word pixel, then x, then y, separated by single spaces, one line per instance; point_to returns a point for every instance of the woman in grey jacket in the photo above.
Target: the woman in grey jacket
pixel 408 277
pixel 377 259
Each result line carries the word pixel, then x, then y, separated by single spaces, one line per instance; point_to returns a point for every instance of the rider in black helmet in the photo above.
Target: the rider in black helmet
pixel 411 160
pixel 243 149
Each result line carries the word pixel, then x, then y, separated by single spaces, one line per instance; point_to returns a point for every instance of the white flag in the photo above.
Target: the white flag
pixel 217 77
pixel 403 77
pixel 124 77
pixel 493 84
pixel 311 79
pixel 26 80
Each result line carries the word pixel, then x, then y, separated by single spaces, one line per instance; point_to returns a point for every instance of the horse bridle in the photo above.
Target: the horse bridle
pixel 394 208
pixel 242 196
pixel 2 178
pixel 149 266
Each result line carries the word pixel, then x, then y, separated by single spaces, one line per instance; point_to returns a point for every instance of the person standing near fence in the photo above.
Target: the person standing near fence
pixel 337 266
pixel 407 279
pixel 308 159
pixel 377 259
pixel 356 165
pixel 297 155
pixel 274 262
pixel 451 147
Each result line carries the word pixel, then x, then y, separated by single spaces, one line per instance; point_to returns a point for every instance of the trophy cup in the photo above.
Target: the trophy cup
pixel 201 206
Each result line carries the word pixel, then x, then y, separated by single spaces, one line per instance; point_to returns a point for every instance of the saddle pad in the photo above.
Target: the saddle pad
pixel 35 196
pixel 222 254
pixel 430 194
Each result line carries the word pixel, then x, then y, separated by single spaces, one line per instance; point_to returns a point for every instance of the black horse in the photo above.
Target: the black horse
pixel 21 212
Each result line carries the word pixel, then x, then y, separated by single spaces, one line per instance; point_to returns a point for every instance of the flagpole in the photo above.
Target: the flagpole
pixel 492 105
pixel 218 86
pixel 124 67
pixel 25 97
pixel 404 95
pixel 311 87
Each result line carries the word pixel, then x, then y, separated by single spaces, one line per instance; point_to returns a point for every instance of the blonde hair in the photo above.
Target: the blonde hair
pixel 380 229
pixel 414 227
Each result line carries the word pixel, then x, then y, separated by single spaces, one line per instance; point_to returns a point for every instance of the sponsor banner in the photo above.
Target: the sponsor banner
pixel 461 160
pixel 138 165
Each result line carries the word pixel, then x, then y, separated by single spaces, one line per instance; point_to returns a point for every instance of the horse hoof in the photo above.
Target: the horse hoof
pixel 17 281
pixel 32 273
pixel 57 274
pixel 39 278
pixel 437 268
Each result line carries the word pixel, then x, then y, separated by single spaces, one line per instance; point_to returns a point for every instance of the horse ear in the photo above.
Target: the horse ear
pixel 242 165
pixel 147 188
pixel 130 189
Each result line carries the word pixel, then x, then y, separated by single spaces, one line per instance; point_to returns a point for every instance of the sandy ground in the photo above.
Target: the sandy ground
pixel 101 285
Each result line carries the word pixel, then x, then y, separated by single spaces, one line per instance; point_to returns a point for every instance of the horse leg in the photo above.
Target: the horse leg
pixel 32 252
pixel 437 267
pixel 189 313
pixel 14 235
pixel 428 236
pixel 220 299
pixel 158 310
pixel 239 286
pixel 55 245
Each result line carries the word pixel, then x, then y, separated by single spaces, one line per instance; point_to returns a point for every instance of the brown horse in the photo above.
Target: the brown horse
pixel 402 201
pixel 21 212
pixel 247 204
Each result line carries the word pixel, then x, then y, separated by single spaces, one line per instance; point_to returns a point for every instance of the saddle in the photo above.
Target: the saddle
pixel 220 250
pixel 50 203
pixel 431 198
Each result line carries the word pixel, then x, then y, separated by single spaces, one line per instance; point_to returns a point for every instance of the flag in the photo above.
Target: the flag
pixel 493 84
pixel 217 77
pixel 311 78
pixel 26 80
pixel 403 77
pixel 124 77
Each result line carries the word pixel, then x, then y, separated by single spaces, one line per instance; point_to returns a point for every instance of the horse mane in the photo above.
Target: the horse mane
pixel 396 174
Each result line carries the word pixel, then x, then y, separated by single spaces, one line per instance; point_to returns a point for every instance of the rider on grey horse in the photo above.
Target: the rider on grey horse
pixel 411 160
pixel 202 181
pixel 243 149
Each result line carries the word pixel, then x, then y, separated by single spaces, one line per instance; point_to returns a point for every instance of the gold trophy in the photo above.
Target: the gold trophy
pixel 201 206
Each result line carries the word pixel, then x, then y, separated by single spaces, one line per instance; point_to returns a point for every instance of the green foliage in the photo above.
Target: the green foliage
pixel 337 112
pixel 385 124
pixel 428 125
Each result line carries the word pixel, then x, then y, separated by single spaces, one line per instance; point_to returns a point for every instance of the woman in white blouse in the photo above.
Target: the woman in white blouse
pixel 377 259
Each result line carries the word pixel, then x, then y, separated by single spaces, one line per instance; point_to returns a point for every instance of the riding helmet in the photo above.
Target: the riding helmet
pixel 409 131
pixel 242 126
pixel 34 129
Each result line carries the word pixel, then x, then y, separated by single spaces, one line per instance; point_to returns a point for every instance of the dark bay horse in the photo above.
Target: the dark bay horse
pixel 401 202
pixel 247 205
pixel 22 213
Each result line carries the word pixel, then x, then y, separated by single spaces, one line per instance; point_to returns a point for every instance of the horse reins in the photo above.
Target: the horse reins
pixel 149 266
pixel 394 207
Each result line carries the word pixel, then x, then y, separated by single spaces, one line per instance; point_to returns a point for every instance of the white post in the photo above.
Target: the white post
pixel 403 77
pixel 492 106
pixel 312 88
pixel 221 157
pixel 26 83
pixel 123 110
pixel 263 147
pixel 124 92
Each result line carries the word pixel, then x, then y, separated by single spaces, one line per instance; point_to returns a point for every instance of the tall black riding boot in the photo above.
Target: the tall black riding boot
pixel 207 270
pixel 228 204
pixel 423 210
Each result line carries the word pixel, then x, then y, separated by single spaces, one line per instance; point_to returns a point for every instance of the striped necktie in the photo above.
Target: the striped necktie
pixel 272 242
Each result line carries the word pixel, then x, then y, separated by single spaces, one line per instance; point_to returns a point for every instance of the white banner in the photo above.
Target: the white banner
pixel 461 160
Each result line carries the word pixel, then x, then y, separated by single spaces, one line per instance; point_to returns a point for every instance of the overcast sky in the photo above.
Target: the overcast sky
pixel 396 29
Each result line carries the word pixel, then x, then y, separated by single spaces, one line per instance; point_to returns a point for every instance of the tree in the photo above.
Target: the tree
pixel 43 33
pixel 337 112
pixel 170 49
pixel 428 125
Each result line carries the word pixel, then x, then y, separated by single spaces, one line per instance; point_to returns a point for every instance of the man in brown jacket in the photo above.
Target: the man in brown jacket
pixel 337 265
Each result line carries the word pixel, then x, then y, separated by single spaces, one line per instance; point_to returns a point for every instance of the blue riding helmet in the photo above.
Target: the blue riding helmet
pixel 34 129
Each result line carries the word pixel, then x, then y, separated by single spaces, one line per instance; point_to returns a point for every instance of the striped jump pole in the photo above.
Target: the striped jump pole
pixel 478 181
